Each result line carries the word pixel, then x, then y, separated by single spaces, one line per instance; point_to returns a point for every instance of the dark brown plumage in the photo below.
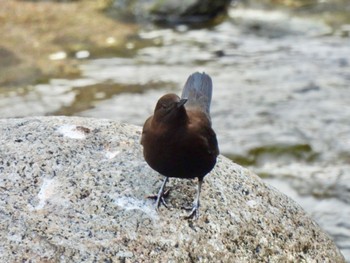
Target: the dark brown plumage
pixel 178 140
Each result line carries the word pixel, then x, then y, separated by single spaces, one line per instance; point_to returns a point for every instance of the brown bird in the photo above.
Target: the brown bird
pixel 178 140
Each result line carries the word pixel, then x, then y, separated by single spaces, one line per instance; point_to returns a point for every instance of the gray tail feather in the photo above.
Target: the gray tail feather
pixel 198 90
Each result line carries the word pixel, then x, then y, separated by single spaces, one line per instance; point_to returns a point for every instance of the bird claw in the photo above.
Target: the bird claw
pixel 160 199
pixel 194 214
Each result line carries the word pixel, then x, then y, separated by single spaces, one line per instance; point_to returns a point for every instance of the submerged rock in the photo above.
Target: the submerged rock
pixel 74 189
pixel 170 12
pixel 188 12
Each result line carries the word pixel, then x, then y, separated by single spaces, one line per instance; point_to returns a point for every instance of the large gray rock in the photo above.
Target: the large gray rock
pixel 74 190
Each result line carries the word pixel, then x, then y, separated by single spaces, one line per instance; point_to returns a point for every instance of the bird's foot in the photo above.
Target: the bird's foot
pixel 194 214
pixel 160 198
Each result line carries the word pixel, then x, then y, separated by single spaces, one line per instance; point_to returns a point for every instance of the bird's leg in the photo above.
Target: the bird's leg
pixel 195 209
pixel 161 195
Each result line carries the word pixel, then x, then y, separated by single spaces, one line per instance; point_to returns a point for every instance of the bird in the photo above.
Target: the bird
pixel 178 139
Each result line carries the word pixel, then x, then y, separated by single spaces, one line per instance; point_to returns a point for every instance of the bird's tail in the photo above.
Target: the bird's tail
pixel 197 91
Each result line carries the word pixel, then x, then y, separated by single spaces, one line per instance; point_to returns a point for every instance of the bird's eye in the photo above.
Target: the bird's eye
pixel 164 106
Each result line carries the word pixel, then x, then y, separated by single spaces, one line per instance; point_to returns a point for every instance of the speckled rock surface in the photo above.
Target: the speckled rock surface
pixel 74 190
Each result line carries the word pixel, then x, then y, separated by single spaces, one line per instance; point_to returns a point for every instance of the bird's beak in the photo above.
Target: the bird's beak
pixel 181 102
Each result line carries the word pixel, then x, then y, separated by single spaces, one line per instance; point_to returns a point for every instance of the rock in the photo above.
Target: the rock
pixel 188 12
pixel 74 189
pixel 171 12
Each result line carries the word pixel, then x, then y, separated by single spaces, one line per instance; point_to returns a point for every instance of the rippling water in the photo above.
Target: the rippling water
pixel 281 102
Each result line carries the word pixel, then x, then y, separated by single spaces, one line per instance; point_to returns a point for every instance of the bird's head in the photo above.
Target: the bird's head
pixel 170 109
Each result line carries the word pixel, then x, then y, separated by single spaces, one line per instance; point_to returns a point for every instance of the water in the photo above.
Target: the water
pixel 281 102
